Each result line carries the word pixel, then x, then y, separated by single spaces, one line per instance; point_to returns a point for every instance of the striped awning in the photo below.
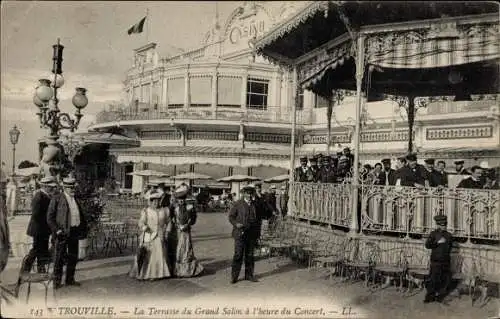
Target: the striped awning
pixel 443 45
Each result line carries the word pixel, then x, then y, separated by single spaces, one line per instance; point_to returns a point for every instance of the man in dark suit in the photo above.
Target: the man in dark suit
pixel 460 169
pixel 38 227
pixel 432 175
pixel 67 223
pixel 327 171
pixel 441 173
pixel 245 223
pixel 314 168
pixel 388 175
pixel 413 174
pixel 474 180
pixel 303 173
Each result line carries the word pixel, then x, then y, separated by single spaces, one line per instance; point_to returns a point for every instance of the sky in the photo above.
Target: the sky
pixel 97 53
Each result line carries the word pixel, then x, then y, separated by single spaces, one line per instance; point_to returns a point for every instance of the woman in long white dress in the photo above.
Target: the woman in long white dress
pixel 153 222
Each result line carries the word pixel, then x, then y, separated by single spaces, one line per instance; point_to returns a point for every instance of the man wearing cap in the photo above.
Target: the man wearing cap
pixel 327 171
pixel 460 169
pixel 243 217
pixel 413 175
pixel 440 242
pixel 303 173
pixel 37 226
pixel 68 225
pixel 388 175
pixel 314 169
pixel 442 174
pixel 433 176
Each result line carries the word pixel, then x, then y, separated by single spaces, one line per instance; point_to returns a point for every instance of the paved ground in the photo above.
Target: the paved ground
pixel 281 284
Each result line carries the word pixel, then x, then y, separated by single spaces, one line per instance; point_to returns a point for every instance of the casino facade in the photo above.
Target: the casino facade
pixel 220 109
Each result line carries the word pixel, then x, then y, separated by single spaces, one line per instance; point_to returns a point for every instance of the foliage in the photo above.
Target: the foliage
pixel 26 164
pixel 93 207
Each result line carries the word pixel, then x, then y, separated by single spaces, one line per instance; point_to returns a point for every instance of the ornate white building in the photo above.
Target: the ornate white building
pixel 220 109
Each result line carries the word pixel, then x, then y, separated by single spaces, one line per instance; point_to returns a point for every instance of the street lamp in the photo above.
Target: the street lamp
pixel 14 138
pixel 50 116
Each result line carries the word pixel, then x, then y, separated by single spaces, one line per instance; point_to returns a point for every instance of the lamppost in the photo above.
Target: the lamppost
pixel 50 116
pixel 14 138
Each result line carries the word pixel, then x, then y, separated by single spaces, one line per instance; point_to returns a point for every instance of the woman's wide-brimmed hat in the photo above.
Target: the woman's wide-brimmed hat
pixel 153 195
pixel 181 191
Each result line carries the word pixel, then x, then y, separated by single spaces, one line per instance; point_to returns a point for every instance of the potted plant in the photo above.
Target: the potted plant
pixel 92 208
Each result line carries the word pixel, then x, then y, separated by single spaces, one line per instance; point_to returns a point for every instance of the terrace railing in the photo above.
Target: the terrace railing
pixel 272 115
pixel 472 213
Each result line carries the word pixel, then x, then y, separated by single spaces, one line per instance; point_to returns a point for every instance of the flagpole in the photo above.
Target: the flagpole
pixel 147 25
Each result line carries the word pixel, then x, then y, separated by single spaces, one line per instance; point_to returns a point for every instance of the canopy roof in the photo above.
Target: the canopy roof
pixel 419 48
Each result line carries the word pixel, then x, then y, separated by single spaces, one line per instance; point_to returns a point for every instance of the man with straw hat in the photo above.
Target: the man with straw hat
pixel 245 223
pixel 38 227
pixel 68 225
pixel 440 243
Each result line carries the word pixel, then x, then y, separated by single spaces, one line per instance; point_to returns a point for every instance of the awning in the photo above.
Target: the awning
pixel 227 156
pixel 434 47
pixel 107 138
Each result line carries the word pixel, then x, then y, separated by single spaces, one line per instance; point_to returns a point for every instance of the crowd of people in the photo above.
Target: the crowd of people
pixel 338 169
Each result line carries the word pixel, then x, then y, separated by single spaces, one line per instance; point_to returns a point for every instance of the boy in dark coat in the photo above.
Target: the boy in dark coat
pixel 440 242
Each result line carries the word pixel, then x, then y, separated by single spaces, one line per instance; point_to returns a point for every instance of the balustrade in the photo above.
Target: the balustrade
pixel 272 116
pixel 472 214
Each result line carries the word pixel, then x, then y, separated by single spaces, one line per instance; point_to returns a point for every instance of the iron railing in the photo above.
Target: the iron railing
pixel 472 213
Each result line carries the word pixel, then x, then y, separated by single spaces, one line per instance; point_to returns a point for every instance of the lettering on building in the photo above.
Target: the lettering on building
pixel 246 30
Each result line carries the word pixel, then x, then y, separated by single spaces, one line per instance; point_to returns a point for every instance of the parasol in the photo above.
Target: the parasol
pixel 277 179
pixel 239 179
pixel 149 173
pixel 191 176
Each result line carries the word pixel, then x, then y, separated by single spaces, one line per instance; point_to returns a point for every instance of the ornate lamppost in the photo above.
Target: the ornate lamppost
pixel 54 161
pixel 14 138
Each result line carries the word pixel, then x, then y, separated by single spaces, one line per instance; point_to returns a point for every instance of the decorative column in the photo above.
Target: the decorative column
pixel 277 90
pixel 151 89
pixel 360 68
pixel 241 134
pixel 292 144
pixel 244 91
pixel 214 92
pixel 187 101
pixel 164 97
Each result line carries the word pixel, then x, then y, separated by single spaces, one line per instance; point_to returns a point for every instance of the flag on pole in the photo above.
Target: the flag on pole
pixel 138 27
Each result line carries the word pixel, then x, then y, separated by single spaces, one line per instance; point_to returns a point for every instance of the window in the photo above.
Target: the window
pixel 257 91
pixel 300 99
pixel 201 91
pixel 175 92
pixel 229 91
pixel 320 101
